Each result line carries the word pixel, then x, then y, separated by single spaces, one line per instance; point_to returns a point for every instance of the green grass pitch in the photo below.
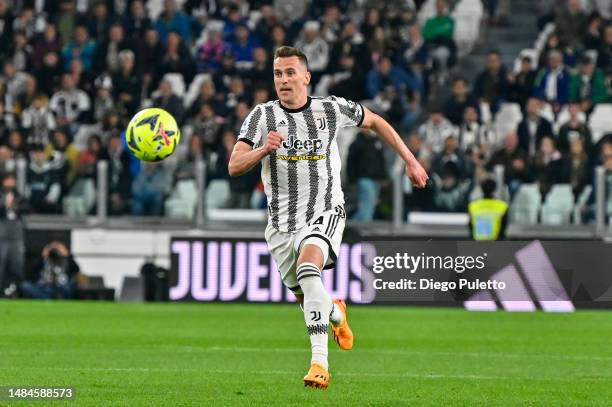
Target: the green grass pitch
pixel 230 354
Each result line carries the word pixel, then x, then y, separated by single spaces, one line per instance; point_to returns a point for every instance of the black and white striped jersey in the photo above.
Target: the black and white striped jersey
pixel 302 178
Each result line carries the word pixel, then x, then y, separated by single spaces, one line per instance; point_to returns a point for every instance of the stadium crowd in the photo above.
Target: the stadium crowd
pixel 75 71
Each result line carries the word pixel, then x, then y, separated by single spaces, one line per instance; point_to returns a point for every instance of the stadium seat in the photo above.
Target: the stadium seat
pixel 581 203
pixel 526 205
pixel 468 15
pixel 178 83
pixel 507 118
pixel 217 194
pixel 428 10
pixel 182 203
pixel 600 122
pixel 558 205
pixel 194 88
pixel 81 199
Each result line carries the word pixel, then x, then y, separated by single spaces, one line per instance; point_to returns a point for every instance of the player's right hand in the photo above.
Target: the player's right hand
pixel 273 142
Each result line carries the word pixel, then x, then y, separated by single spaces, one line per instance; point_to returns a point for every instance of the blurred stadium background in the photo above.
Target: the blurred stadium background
pixel 517 90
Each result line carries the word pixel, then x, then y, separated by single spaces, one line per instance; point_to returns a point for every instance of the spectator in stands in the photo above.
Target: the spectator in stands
pixel 588 85
pixel 49 75
pixel 210 54
pixel 258 74
pixel 473 133
pixel 605 156
pixel 149 189
pixel 6 28
pixel 17 144
pixel 137 22
pixel 177 58
pixel 438 35
pixel 185 169
pixel 81 47
pixel 172 19
pixel 604 56
pixel 12 207
pixel 580 171
pixel 233 19
pixel 241 187
pixel 415 51
pixel 7 122
pixel 592 38
pixel 575 128
pixel 279 38
pixel 266 25
pixel 88 159
pixel 104 101
pixel 571 23
pixel 45 181
pixel 451 194
pixel 552 81
pixel 550 166
pixel 436 129
pixel 521 84
pixel 83 80
pixel 207 127
pixel 100 22
pixel 450 153
pixel 61 146
pixel 149 55
pixel 27 96
pixel 70 104
pixel 316 50
pixel 14 84
pixel 107 53
pixel 243 46
pixel 66 19
pixel 289 11
pixel 533 127
pixel 46 42
pixel 169 101
pixel 491 85
pixel 351 43
pixel 346 82
pixel 366 169
pixel 21 52
pixel 7 161
pixel 38 120
pixel 516 163
pixel 224 75
pixel 395 93
pixel 119 176
pixel 26 22
pixel 208 95
pixel 459 100
pixel 236 93
pixel 54 274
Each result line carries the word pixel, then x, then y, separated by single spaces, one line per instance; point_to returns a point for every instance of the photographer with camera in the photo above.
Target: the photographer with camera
pixel 55 272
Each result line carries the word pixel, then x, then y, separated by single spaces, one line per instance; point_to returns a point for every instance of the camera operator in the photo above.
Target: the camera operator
pixel 56 273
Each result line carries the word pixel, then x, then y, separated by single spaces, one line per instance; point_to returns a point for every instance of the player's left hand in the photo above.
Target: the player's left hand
pixel 417 174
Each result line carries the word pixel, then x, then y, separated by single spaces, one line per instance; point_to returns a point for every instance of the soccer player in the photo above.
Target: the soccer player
pixel 295 140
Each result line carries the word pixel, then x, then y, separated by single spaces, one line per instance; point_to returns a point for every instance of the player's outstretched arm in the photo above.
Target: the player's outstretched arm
pixel 415 171
pixel 244 157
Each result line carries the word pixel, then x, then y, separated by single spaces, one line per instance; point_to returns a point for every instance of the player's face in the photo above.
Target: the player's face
pixel 291 80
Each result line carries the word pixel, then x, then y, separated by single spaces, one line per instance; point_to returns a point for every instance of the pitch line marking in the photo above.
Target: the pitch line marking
pixel 289 372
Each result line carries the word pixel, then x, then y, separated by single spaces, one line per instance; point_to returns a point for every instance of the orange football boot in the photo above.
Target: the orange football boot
pixel 317 377
pixel 342 332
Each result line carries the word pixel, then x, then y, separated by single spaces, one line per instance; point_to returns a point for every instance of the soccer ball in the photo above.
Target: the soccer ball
pixel 152 134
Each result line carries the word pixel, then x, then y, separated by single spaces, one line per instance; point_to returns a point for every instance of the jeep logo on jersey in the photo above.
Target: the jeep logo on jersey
pixel 310 145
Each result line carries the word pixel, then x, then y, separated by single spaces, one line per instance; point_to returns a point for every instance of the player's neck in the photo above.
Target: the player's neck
pixel 298 106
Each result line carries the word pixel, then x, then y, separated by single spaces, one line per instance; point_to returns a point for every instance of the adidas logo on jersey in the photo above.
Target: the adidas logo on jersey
pixel 281 124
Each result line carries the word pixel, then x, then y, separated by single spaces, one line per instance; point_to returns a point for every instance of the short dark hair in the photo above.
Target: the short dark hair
pixel 286 52
pixel 488 187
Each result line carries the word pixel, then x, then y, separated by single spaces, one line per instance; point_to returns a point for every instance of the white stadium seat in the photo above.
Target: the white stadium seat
pixel 526 205
pixel 600 121
pixel 558 205
pixel 507 118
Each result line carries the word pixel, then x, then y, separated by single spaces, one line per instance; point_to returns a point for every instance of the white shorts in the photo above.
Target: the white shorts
pixel 285 247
